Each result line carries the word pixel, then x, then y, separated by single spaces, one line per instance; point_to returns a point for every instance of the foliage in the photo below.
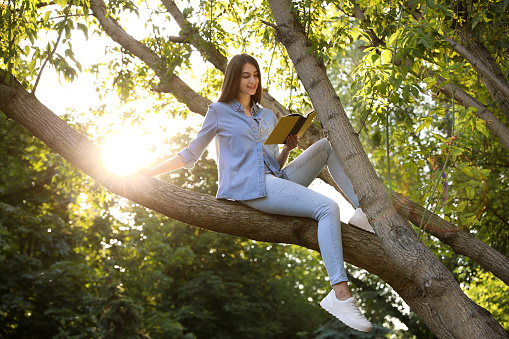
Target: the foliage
pixel 23 21
pixel 42 277
pixel 424 139
pixel 492 294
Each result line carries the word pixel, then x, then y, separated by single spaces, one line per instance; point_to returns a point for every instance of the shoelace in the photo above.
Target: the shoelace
pixel 356 308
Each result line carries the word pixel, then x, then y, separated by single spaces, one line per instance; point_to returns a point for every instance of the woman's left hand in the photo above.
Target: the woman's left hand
pixel 291 142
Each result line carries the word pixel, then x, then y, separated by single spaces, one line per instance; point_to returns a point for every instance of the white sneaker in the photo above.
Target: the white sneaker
pixel 360 220
pixel 347 312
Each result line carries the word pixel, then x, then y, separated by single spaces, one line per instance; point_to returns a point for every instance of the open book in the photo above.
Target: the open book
pixel 295 124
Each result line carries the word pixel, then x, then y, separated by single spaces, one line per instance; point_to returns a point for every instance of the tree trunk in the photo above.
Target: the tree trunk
pixel 433 294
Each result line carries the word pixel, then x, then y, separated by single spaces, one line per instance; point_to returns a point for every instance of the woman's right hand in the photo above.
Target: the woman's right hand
pixel 147 171
pixel 168 166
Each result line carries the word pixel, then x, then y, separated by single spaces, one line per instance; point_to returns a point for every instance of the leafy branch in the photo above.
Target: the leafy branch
pixel 50 55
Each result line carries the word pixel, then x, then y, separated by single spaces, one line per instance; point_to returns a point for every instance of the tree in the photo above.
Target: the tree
pixel 397 36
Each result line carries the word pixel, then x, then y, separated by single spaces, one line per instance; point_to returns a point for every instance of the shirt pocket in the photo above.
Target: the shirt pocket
pixel 265 128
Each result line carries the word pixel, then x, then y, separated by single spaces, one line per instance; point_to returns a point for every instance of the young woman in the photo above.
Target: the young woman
pixel 257 174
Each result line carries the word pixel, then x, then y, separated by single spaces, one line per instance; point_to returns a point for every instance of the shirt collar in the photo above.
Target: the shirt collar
pixel 238 107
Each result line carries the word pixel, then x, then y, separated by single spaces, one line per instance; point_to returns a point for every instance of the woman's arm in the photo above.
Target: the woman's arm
pixel 169 165
pixel 188 156
pixel 291 143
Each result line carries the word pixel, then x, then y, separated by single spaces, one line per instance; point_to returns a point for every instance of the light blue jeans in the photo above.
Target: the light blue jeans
pixel 292 197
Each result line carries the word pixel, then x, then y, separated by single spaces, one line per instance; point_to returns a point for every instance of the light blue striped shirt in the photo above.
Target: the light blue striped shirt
pixel 242 159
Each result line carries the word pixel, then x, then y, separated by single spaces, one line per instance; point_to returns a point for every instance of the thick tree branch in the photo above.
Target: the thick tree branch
pixel 460 241
pixel 359 14
pixel 212 55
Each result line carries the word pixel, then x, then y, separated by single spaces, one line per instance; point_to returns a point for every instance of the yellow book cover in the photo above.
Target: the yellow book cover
pixel 295 124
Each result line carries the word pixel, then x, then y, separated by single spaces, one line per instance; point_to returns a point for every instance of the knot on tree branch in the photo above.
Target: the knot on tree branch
pixel 435 286
pixel 284 34
pixel 300 229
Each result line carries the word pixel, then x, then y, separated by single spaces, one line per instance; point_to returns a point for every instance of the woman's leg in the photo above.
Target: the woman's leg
pixel 306 167
pixel 288 198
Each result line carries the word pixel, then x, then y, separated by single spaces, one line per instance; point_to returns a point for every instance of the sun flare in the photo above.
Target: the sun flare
pixel 125 153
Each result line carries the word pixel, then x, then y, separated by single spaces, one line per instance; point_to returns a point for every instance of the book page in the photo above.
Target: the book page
pixel 309 120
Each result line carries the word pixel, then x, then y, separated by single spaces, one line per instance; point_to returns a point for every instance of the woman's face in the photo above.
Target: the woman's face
pixel 249 80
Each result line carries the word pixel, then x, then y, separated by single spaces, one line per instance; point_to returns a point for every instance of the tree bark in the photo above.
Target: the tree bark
pixel 214 56
pixel 498 83
pixel 433 288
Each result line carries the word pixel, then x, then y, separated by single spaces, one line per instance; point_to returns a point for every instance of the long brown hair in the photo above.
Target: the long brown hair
pixel 232 78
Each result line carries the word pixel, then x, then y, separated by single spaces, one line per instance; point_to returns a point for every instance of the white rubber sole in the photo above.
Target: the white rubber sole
pixel 329 308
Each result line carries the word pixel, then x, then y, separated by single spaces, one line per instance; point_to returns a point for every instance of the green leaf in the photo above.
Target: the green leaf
pixel 480 125
pixel 377 138
pixel 476 20
pixel 386 56
pixel 461 206
pixel 470 192
pixel 46 17
pixel 397 82
pixel 84 29
pixel 374 57
pixel 31 66
pixel 415 91
pixel 431 3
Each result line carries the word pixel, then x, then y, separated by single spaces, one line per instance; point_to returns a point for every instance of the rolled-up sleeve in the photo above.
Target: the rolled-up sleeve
pixel 196 147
